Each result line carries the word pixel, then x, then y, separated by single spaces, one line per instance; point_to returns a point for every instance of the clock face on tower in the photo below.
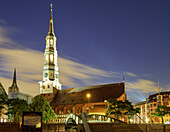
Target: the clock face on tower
pixel 56 76
pixel 46 75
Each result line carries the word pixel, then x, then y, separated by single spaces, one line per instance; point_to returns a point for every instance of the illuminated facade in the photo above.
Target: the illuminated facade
pixel 147 107
pixel 91 99
pixel 50 71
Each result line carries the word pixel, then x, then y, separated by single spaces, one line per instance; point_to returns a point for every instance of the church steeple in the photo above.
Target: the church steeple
pixel 51 26
pixel 14 79
pixel 50 70
pixel 14 87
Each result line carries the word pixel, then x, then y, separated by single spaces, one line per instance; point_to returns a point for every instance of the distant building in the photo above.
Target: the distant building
pixel 13 91
pixel 147 107
pixel 91 99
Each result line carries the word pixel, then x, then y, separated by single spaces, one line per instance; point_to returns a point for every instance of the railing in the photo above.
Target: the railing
pixel 101 118
pixel 64 117
pixel 78 119
pixel 144 123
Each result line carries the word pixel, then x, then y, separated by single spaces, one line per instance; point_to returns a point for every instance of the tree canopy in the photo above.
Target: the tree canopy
pixel 40 104
pixel 161 111
pixel 15 107
pixel 120 108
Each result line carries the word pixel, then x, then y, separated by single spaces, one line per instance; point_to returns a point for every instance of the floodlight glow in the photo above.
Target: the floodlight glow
pixel 88 95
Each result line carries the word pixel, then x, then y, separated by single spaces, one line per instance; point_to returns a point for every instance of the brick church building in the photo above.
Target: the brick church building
pixel 91 99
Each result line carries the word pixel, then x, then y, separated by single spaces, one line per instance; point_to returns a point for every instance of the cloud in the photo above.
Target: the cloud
pixel 144 86
pixel 131 74
pixel 29 64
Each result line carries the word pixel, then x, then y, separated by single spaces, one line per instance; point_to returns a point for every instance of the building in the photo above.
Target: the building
pixel 148 107
pixel 13 91
pixel 50 81
pixel 3 116
pixel 91 99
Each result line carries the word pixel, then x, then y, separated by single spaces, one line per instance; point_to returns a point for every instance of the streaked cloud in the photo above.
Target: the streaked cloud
pixel 29 64
pixel 132 74
pixel 144 86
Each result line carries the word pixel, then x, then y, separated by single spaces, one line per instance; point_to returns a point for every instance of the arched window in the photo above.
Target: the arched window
pixel 51 42
pixel 51 57
pixel 46 57
pixel 47 42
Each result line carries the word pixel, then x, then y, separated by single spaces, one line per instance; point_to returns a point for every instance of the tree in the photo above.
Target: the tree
pixel 40 104
pixel 120 108
pixel 114 108
pixel 161 111
pixel 16 107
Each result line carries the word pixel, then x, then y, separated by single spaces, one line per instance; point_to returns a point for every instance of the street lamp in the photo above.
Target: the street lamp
pixel 88 96
pixel 105 105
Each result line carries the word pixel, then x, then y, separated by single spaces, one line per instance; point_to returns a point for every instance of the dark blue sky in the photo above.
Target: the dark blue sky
pixel 119 36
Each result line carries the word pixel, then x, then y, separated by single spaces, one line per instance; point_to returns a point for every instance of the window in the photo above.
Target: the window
pixel 51 58
pixel 51 42
pixel 154 105
pixel 46 57
pixel 47 42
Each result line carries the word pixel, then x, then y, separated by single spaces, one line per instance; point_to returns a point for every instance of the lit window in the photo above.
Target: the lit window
pixel 46 57
pixel 51 58
pixel 51 41
pixel 48 42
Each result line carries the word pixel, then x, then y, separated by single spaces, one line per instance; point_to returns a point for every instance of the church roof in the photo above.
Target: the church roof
pixel 98 93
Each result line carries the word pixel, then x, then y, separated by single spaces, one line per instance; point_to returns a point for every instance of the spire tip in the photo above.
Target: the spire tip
pixel 51 7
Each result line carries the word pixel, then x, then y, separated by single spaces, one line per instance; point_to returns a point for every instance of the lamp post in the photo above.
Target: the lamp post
pixel 88 97
pixel 105 105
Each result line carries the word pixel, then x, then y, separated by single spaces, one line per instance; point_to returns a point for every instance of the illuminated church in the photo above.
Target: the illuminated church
pixel 91 99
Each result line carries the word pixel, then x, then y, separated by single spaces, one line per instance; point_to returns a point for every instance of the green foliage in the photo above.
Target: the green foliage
pixel 16 107
pixel 119 108
pixel 3 101
pixel 161 111
pixel 40 104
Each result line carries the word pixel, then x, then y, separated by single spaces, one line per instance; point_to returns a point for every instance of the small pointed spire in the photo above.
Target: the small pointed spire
pixel 51 27
pixel 123 78
pixel 14 79
pixel 14 87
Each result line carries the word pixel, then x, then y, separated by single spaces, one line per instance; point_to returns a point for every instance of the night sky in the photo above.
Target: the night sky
pixel 98 41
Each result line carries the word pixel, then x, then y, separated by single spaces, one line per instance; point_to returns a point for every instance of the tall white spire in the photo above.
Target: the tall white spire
pixel 50 70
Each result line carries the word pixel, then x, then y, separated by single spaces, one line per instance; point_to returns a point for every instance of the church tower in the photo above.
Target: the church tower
pixel 50 70
pixel 14 87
